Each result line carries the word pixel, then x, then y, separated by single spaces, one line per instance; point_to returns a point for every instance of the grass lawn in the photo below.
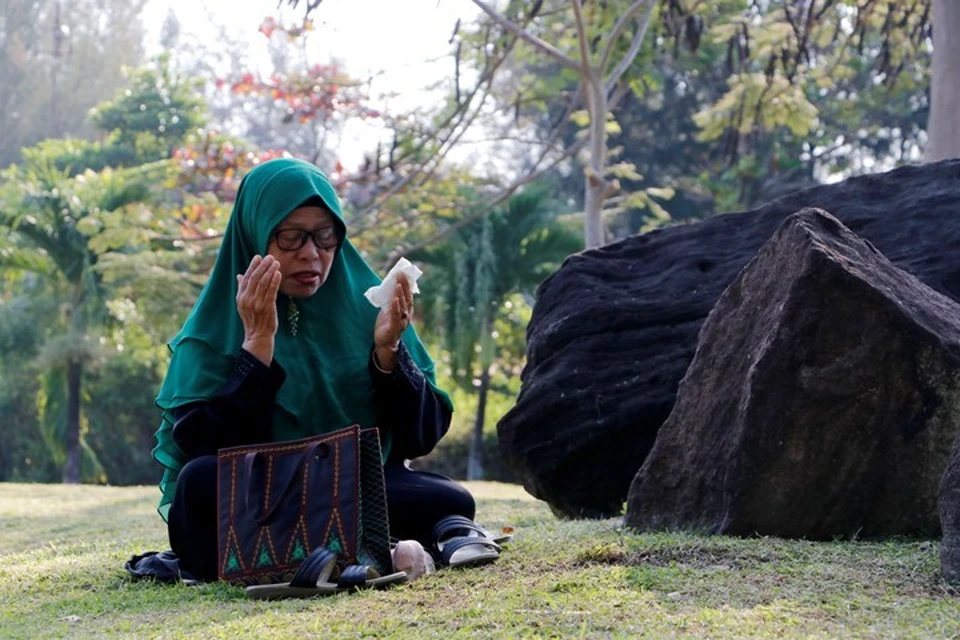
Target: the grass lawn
pixel 63 548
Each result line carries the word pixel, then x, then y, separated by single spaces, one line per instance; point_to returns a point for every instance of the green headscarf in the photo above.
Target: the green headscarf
pixel 328 385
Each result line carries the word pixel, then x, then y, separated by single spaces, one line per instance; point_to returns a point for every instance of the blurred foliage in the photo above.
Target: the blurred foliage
pixel 89 236
pixel 299 106
pixel 59 59
pixel 119 408
pixel 23 318
pixel 504 253
pixel 152 114
pixel 451 457
pixel 730 103
pixel 507 252
pixel 51 224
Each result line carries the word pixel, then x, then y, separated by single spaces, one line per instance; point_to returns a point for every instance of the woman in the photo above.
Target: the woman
pixel 285 346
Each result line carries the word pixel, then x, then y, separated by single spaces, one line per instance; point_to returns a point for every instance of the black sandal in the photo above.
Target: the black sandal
pixel 318 575
pixel 463 543
pixel 313 578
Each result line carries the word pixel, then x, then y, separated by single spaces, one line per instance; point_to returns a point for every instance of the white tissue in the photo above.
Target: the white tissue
pixel 382 294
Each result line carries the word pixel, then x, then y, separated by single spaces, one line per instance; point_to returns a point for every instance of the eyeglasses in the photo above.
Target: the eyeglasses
pixel 325 238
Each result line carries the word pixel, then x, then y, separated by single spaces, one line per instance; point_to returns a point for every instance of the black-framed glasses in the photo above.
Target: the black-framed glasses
pixel 325 238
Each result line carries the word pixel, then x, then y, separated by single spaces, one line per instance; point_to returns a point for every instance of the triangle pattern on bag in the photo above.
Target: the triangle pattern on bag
pixel 335 539
pixel 265 555
pixel 233 558
pixel 299 543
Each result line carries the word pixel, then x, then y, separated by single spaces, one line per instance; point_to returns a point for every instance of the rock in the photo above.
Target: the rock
pixel 615 328
pixel 950 520
pixel 823 399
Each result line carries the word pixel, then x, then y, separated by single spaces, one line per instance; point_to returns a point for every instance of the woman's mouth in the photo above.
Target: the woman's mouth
pixel 307 278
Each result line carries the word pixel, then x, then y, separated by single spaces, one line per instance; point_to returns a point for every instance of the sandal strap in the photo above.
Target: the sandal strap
pixel 455 544
pixel 319 566
pixel 451 525
pixel 356 575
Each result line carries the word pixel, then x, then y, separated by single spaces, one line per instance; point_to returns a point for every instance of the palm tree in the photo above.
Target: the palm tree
pixel 58 221
pixel 506 252
pixel 47 220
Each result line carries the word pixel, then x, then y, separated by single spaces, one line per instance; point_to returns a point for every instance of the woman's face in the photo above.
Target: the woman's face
pixel 304 267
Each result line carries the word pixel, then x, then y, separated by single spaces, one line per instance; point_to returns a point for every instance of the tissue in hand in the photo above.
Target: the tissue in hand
pixel 382 294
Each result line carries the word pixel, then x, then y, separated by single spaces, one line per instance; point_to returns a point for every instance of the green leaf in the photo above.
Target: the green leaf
pixel 580 118
pixel 664 193
pixel 624 171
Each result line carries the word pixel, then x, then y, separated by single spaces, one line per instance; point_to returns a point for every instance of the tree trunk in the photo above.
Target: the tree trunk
pixel 595 189
pixel 71 469
pixel 58 42
pixel 943 127
pixel 475 461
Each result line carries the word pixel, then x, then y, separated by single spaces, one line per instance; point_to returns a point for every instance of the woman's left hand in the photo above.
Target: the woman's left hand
pixel 392 321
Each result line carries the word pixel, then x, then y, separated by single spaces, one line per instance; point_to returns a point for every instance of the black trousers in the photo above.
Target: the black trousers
pixel 416 500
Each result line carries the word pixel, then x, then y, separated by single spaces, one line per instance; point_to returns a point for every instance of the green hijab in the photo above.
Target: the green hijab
pixel 328 385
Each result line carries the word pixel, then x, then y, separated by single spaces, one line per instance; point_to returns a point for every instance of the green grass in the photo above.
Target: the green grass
pixel 63 548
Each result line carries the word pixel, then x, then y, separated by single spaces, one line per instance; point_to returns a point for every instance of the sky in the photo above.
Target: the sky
pixel 395 37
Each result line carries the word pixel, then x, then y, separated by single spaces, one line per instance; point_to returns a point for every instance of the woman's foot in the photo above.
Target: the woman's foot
pixel 411 557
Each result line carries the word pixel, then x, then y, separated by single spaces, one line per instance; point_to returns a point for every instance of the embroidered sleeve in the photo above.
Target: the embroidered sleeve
pixel 241 412
pixel 408 406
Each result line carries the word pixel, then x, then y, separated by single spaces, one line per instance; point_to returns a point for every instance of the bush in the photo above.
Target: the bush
pixel 450 459
pixel 123 419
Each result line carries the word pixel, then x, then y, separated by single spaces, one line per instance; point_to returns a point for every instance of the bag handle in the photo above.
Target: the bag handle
pixel 255 481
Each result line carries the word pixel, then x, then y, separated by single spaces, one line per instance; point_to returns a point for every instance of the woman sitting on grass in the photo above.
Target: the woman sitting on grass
pixel 282 345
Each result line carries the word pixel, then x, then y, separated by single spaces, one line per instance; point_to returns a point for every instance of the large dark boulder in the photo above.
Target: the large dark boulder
pixel 615 328
pixel 950 520
pixel 823 399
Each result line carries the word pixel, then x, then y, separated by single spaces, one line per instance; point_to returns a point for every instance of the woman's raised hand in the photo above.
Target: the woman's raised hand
pixel 257 305
pixel 392 321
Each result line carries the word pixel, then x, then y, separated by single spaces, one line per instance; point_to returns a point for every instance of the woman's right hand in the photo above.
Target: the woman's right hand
pixel 257 305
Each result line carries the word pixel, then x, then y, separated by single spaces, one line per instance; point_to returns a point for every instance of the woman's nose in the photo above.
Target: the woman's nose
pixel 309 250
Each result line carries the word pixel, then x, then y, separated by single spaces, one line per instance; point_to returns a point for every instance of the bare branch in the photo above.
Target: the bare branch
pixel 309 5
pixel 619 93
pixel 423 172
pixel 489 206
pixel 454 122
pixel 457 114
pixel 585 60
pixel 533 174
pixel 618 31
pixel 634 49
pixel 523 34
pixel 516 139
pixel 548 145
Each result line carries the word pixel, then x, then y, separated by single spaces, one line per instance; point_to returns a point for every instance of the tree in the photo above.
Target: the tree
pixel 47 218
pixel 944 128
pixel 604 39
pixel 508 251
pixel 75 228
pixel 25 313
pixel 655 138
pixel 59 59
pixel 152 115
pixel 793 63
pixel 600 70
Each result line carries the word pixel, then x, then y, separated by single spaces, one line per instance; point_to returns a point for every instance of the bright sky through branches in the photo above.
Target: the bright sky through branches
pixel 389 40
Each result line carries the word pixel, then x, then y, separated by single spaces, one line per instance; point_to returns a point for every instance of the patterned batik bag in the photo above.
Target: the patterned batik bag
pixel 279 502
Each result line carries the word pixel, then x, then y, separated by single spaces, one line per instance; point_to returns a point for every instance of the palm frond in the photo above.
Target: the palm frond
pixel 20 259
